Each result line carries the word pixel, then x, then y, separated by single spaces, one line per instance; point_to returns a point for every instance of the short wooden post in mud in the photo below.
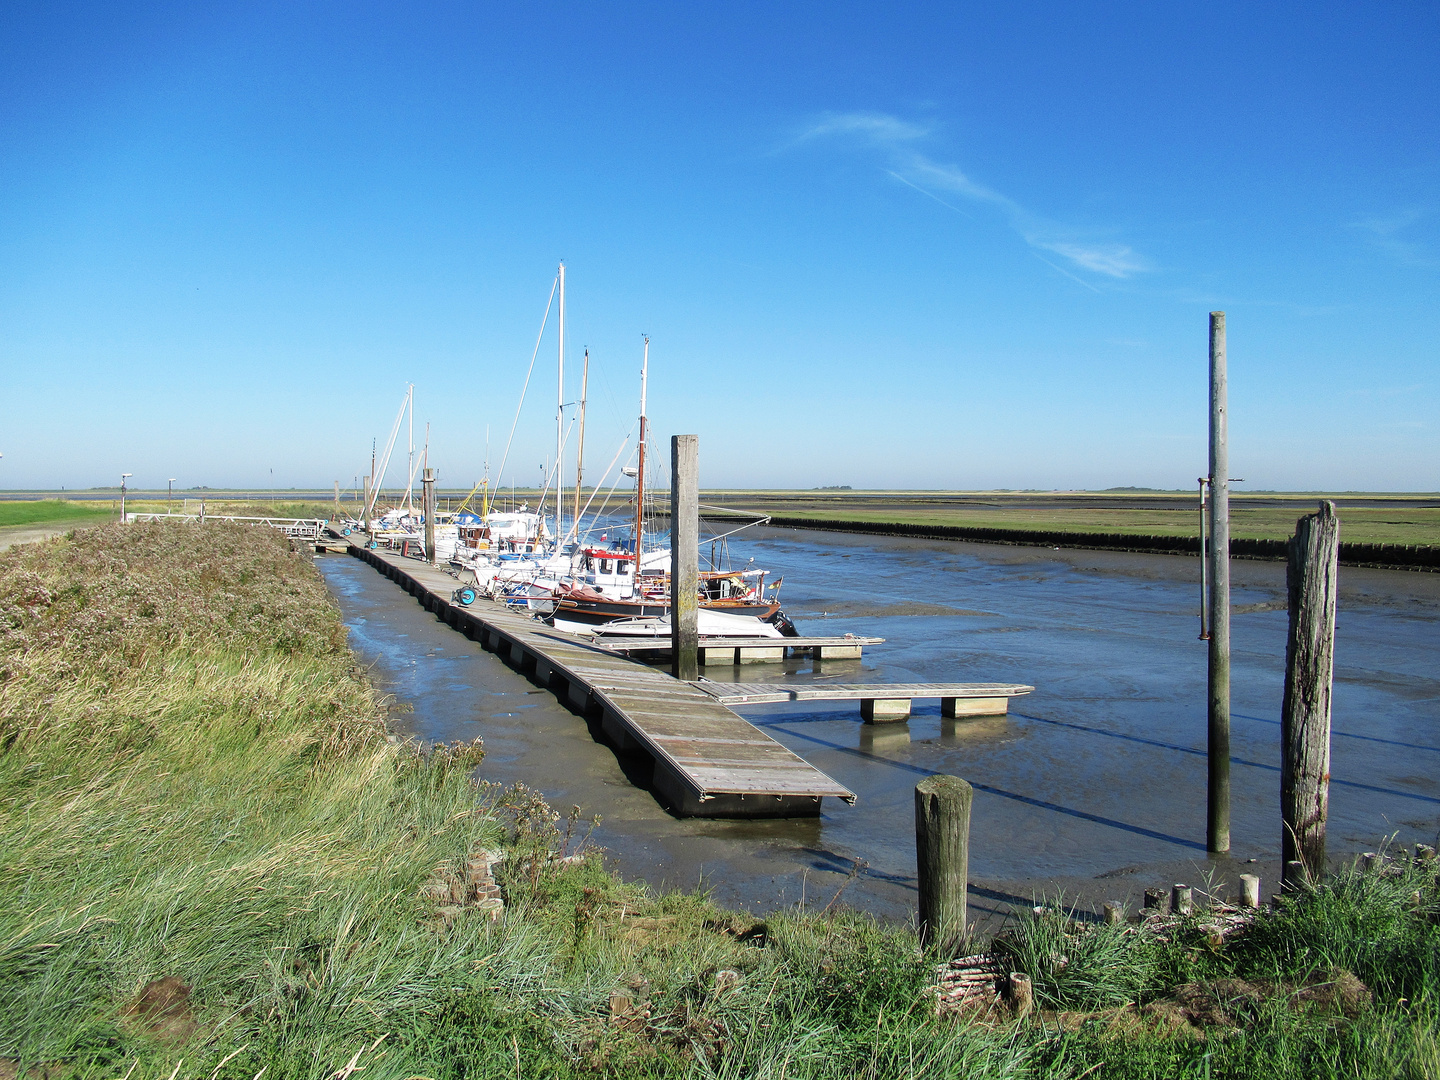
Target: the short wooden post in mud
pixel 1249 890
pixel 427 483
pixel 1217 811
pixel 1182 899
pixel 942 854
pixel 1305 712
pixel 685 556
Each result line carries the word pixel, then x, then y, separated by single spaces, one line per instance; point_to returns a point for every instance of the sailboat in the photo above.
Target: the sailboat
pixel 612 583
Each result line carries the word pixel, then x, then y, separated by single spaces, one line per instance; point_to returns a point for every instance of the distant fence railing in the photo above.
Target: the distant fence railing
pixel 297 528
pixel 1397 556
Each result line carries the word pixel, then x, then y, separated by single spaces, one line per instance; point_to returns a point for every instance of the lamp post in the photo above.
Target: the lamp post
pixel 169 495
pixel 123 477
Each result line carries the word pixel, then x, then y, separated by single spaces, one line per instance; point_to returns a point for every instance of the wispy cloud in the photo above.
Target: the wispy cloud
pixel 1389 235
pixel 896 138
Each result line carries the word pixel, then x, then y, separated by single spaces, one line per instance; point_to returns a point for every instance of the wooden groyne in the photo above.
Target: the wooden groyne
pixel 707 761
pixel 1380 556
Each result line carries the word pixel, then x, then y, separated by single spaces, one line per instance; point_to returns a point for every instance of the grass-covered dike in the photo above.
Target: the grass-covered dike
pixel 216 864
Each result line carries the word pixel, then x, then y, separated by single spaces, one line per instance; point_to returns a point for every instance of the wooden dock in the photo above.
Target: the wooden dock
pixel 758 650
pixel 879 702
pixel 708 762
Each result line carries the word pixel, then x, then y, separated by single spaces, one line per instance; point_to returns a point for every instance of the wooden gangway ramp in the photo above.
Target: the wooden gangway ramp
pixel 708 762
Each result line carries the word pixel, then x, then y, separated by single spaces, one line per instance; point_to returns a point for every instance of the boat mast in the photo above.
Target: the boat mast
pixel 640 466
pixel 580 455
pixel 485 498
pixel 559 418
pixel 410 464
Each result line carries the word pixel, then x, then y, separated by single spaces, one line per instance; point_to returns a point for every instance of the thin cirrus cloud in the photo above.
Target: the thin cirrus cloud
pixel 897 139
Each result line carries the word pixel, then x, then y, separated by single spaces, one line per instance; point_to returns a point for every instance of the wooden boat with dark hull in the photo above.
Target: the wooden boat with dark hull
pixel 582 607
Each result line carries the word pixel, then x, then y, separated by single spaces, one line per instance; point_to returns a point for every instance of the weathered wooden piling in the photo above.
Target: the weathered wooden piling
pixel 1114 912
pixel 1020 994
pixel 942 855
pixel 1217 815
pixel 1182 899
pixel 1311 577
pixel 427 485
pixel 1249 890
pixel 1293 876
pixel 685 556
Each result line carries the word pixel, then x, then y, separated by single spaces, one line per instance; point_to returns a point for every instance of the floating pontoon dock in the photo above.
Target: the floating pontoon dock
pixel 708 761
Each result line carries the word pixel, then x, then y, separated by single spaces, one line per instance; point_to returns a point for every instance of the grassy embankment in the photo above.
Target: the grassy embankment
pixel 1398 521
pixel 215 863
pixel 48 511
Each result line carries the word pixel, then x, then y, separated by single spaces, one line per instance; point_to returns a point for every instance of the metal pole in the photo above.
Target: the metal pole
pixel 1204 562
pixel 1217 817
pixel 685 556
pixel 366 511
pixel 640 468
pixel 580 453
pixel 169 495
pixel 560 422
pixel 428 495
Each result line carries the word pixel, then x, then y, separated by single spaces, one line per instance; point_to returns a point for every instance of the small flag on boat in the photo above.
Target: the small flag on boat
pixel 778 582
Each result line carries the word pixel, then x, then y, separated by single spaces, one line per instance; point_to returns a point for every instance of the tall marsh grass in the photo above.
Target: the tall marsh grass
pixel 215 864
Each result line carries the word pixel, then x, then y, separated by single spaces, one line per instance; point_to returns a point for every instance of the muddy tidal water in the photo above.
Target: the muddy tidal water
pixel 1094 785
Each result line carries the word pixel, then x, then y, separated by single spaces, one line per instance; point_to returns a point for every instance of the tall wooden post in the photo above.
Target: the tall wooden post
pixel 685 556
pixel 942 855
pixel 1217 816
pixel 337 500
pixel 1309 671
pixel 427 483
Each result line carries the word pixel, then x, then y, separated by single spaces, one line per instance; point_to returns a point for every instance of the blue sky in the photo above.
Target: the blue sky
pixel 931 246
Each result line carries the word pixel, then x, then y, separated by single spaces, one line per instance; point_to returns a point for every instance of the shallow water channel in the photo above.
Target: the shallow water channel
pixel 1094 784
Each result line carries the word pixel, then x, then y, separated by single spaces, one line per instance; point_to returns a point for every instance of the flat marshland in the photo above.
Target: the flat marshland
pixel 215 863
pixel 1368 518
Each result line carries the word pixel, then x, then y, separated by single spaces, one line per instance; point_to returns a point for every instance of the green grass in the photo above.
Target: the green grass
pixel 1388 525
pixel 195 785
pixel 44 511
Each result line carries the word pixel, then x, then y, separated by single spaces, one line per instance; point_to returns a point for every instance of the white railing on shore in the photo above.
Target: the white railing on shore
pixel 298 528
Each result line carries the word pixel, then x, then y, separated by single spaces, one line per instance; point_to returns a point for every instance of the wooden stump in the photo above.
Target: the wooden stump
pixel 942 854
pixel 1305 712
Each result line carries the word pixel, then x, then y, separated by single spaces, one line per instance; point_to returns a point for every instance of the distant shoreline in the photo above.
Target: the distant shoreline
pixel 1420 557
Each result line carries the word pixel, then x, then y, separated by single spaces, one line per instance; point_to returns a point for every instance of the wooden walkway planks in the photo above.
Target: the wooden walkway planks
pixel 879 702
pixel 719 650
pixel 756 693
pixel 707 760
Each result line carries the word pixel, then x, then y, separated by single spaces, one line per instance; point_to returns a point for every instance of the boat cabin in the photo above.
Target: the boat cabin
pixel 608 571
